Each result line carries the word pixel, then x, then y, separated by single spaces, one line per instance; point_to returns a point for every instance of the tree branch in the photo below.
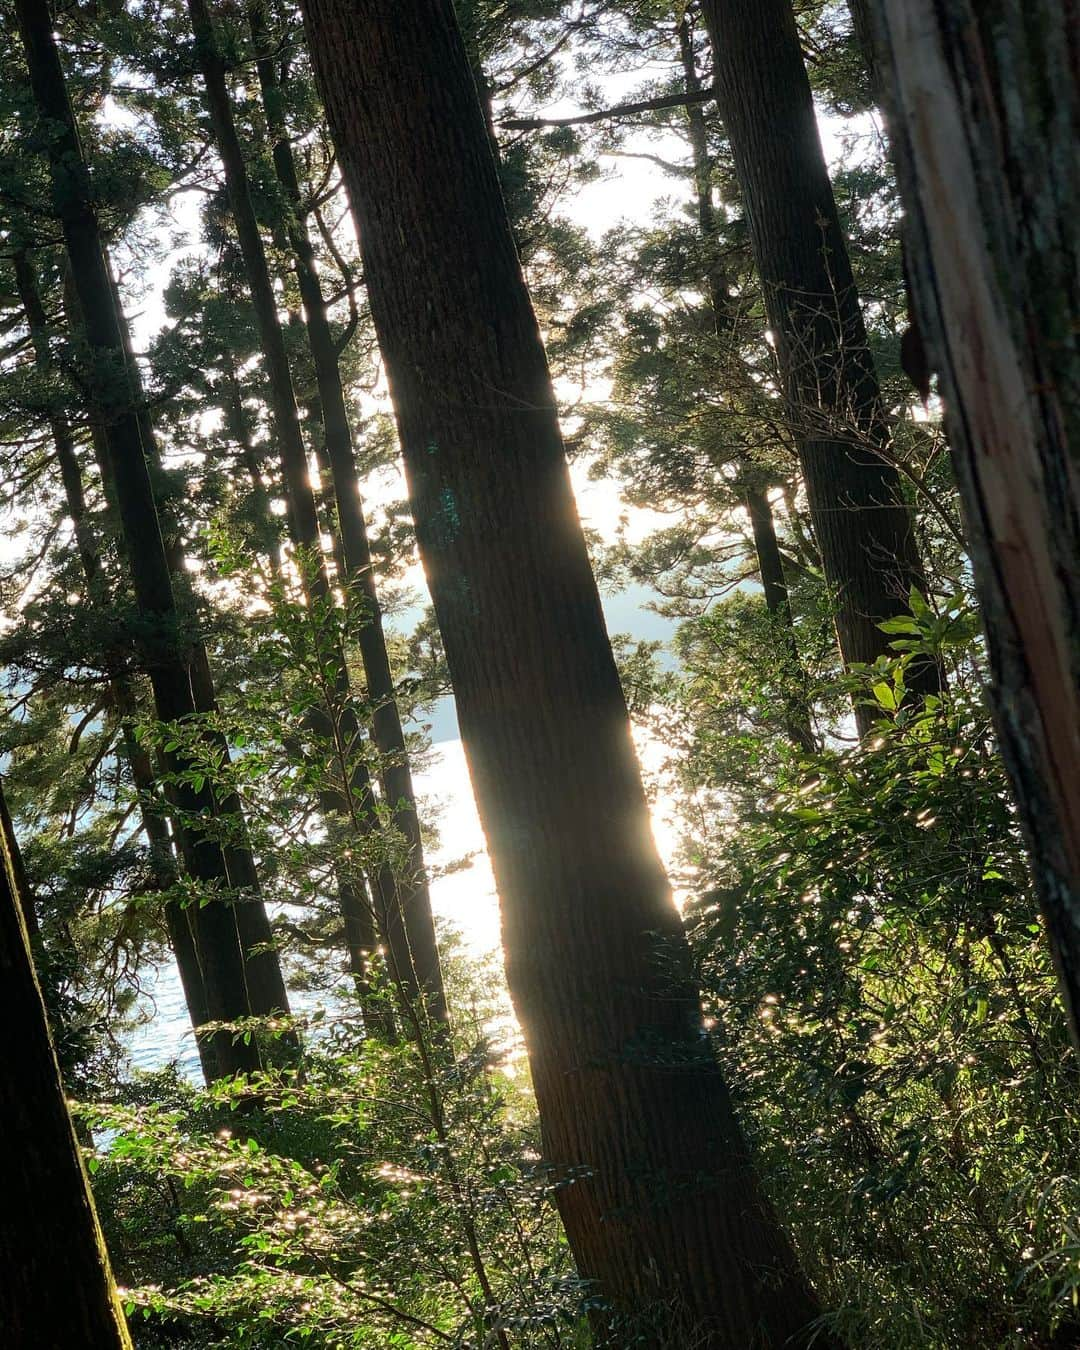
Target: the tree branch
pixel 680 100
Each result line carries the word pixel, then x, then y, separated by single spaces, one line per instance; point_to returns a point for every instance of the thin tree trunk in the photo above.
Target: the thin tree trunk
pixel 264 981
pixel 221 957
pixel 658 1196
pixel 861 522
pixel 985 116
pixel 777 601
pixel 267 995
pixel 766 549
pixel 303 514
pixel 57 1288
pixel 412 921
pixel 178 922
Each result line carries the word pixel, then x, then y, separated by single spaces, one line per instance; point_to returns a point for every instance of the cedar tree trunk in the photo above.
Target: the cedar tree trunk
pixel 413 907
pixel 57 1291
pixel 656 1191
pixel 862 525
pixel 162 650
pixel 985 116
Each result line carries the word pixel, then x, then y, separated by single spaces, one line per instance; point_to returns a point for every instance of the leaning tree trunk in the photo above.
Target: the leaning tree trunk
pixel 57 1289
pixel 654 1185
pixel 267 995
pixel 178 921
pixel 985 116
pixel 219 947
pixel 354 804
pixel 862 525
pixel 411 916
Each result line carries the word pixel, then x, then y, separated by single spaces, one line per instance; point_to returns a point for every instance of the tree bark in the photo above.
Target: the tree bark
pixel 656 1191
pixel 861 522
pixel 161 641
pixel 985 115
pixel 57 1289
pixel 411 917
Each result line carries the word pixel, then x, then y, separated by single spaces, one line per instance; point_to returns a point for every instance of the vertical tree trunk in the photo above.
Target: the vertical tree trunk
pixel 220 953
pixel 766 549
pixel 658 1197
pixel 57 1288
pixel 985 116
pixel 267 995
pixel 178 922
pixel 412 912
pixel 861 522
pixel 303 515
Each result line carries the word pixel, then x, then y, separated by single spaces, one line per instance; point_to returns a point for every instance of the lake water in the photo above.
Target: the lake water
pixel 465 897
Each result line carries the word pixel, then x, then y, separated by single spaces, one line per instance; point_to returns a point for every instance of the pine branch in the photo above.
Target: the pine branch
pixel 680 100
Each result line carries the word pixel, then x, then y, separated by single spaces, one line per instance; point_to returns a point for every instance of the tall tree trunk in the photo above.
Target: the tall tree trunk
pixel 267 995
pixel 162 650
pixel 303 514
pixel 178 921
pixel 985 115
pixel 412 912
pixel 766 549
pixel 57 1288
pixel 659 1199
pixel 862 525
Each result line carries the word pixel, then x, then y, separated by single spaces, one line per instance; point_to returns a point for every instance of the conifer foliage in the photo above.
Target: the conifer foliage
pixel 365 367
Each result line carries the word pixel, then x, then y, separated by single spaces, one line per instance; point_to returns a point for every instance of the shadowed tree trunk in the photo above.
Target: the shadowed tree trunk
pixel 57 1289
pixel 178 922
pixel 985 120
pixel 862 525
pixel 767 552
pixel 413 907
pixel 267 995
pixel 162 644
pixel 355 804
pixel 657 1193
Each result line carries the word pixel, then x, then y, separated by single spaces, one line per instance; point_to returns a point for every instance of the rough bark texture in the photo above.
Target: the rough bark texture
pixel 985 115
pixel 862 525
pixel 657 1195
pixel 57 1292
pixel 161 649
pixel 411 918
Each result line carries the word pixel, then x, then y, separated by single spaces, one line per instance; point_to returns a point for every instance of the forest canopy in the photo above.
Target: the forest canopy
pixel 540 741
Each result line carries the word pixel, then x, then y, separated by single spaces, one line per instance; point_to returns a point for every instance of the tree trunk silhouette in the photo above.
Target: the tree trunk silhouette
pixel 656 1191
pixel 340 729
pixel 862 525
pixel 178 922
pixel 413 907
pixel 766 550
pixel 161 642
pixel 48 1226
pixel 985 115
